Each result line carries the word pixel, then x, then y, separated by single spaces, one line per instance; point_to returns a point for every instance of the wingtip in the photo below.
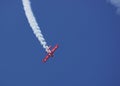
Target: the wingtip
pixel 44 60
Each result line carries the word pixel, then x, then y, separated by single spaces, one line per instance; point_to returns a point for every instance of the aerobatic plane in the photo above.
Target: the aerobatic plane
pixel 50 53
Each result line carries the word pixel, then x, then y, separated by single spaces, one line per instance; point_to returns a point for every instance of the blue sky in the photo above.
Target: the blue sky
pixel 87 31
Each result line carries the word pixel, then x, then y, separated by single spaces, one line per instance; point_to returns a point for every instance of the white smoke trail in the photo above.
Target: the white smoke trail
pixel 33 23
pixel 116 3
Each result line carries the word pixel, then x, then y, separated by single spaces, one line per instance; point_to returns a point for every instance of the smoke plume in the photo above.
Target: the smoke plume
pixel 33 23
pixel 116 3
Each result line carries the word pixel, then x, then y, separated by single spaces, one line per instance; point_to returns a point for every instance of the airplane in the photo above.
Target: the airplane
pixel 50 53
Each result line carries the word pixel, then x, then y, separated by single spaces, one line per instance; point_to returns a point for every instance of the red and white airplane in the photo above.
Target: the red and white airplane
pixel 50 54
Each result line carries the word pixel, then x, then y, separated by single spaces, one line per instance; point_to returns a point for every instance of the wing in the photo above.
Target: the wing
pixel 54 49
pixel 46 58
